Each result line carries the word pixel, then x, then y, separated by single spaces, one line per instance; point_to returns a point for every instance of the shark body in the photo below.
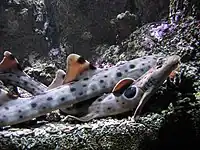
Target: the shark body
pixel 22 109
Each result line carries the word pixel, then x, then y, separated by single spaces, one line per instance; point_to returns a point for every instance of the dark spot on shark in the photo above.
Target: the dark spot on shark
pixel 101 81
pixel 7 108
pixel 143 64
pixel 97 111
pixel 81 93
pixel 4 116
pixel 126 70
pixel 85 78
pixel 117 101
pixel 49 98
pixel 10 75
pixel 119 74
pixel 132 66
pixel 62 99
pixel 25 82
pixel 72 89
pixel 81 60
pixel 21 117
pixel 100 99
pixel 33 105
pixel 109 108
pixel 142 70
pixel 149 66
pixel 105 76
pixel 19 111
pixel 43 107
pixel 144 58
pixel 84 85
pixel 123 103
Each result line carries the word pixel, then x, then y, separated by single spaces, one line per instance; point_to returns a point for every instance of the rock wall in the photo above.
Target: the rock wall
pixel 77 26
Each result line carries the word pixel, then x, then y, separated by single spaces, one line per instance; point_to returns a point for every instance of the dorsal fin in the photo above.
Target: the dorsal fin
pixel 9 62
pixel 121 86
pixel 75 65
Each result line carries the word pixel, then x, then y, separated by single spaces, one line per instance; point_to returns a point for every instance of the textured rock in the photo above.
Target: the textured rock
pixel 69 26
pixel 20 21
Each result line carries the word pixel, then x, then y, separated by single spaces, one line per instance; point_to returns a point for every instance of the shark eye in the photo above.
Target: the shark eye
pixel 130 92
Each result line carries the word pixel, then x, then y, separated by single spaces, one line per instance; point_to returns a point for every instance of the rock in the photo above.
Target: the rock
pixel 20 21
pixel 42 72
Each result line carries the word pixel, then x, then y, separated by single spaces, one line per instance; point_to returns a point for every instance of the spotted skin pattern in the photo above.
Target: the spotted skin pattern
pixel 135 94
pixel 23 109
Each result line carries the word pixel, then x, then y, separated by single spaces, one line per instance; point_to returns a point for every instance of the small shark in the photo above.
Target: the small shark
pixel 22 109
pixel 129 94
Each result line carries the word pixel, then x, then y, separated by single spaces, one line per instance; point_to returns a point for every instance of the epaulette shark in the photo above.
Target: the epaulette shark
pixel 22 109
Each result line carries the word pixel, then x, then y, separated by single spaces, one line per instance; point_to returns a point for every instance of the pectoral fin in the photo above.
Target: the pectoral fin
pixel 141 104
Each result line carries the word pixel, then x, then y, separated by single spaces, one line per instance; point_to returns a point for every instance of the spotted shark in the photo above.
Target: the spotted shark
pixel 22 109
pixel 129 94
